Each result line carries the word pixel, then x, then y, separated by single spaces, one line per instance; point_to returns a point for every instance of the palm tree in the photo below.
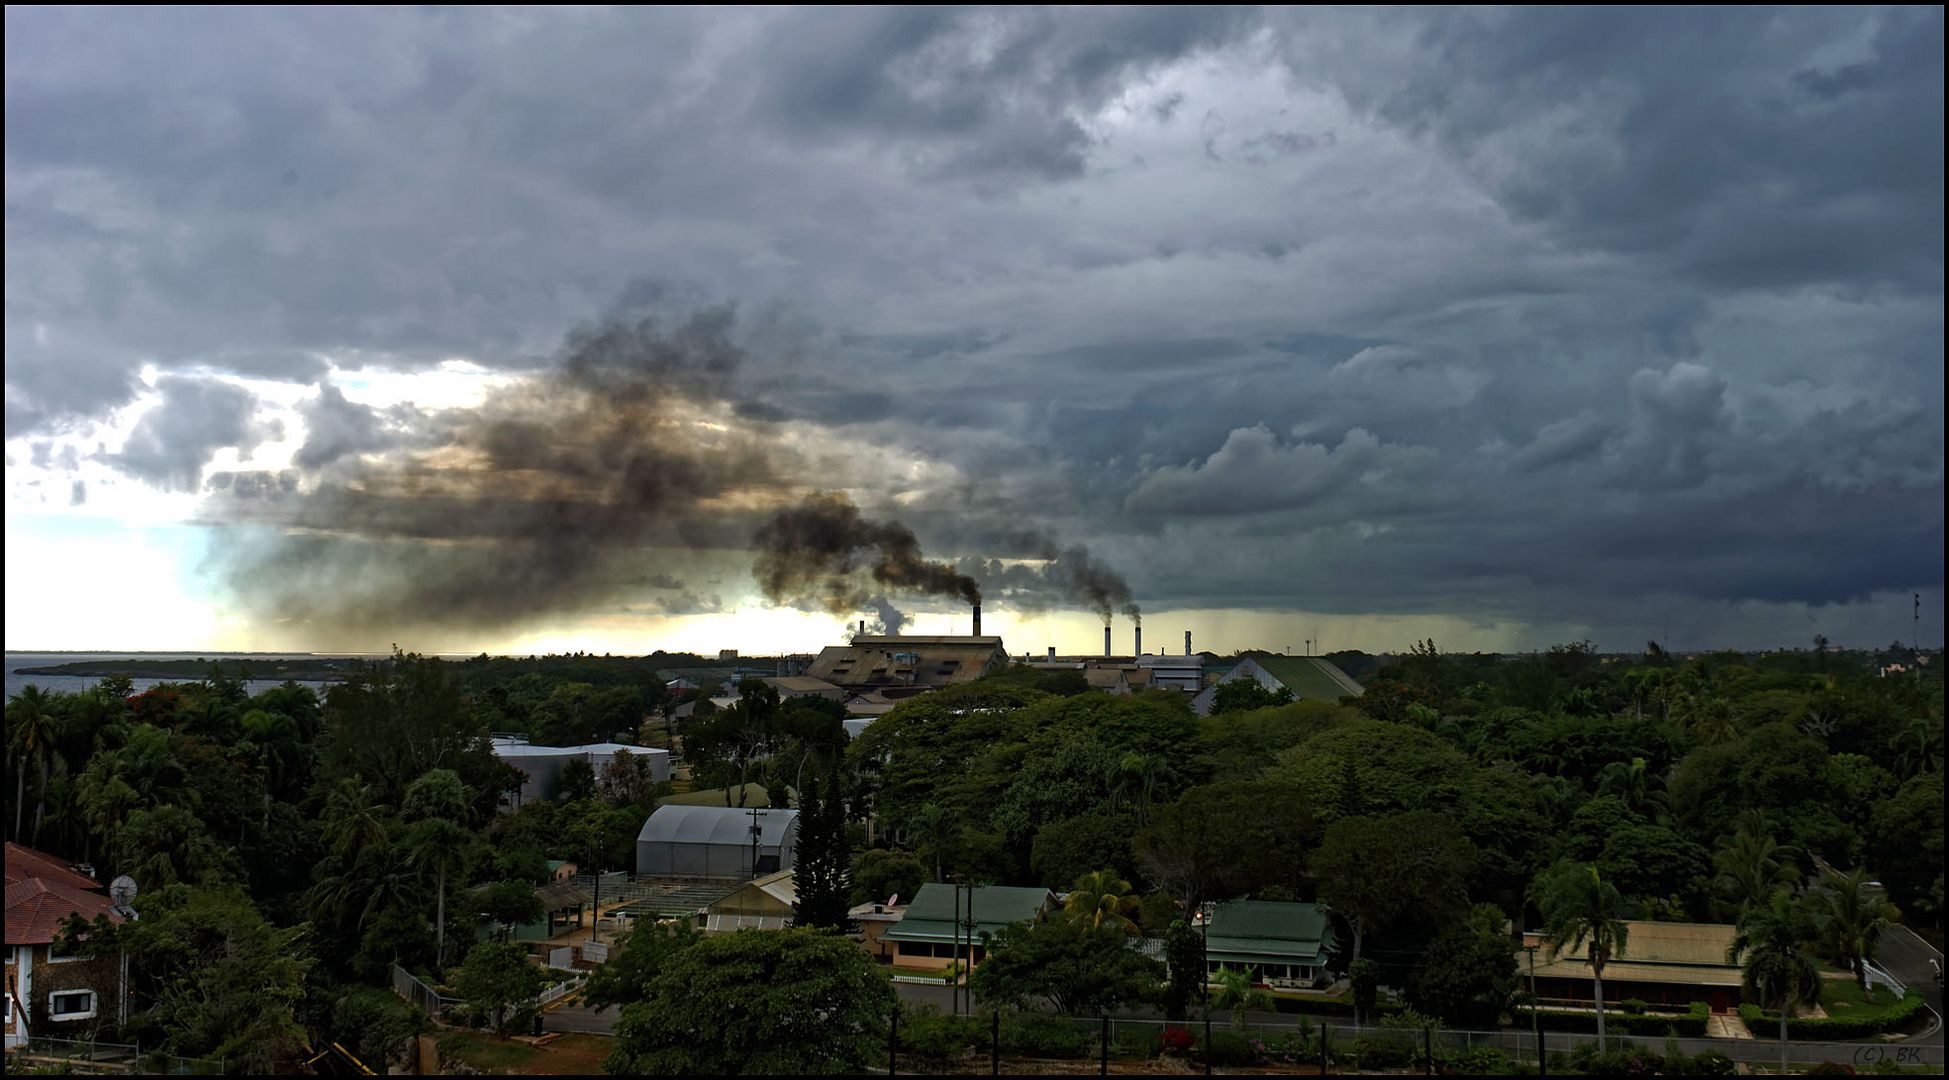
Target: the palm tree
pixel 933 829
pixel 1581 910
pixel 1776 971
pixel 1751 868
pixel 353 821
pixel 1237 993
pixel 1101 897
pixel 1918 747
pixel 1640 788
pixel 440 848
pixel 1851 912
pixel 1710 720
pixel 32 727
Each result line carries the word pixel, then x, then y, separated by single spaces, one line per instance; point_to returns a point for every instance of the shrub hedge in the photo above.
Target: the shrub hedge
pixel 1831 1028
pixel 1690 1024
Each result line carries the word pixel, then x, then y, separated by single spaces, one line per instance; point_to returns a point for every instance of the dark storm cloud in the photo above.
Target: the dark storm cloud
pixel 1448 311
pixel 963 95
pixel 1733 142
pixel 179 436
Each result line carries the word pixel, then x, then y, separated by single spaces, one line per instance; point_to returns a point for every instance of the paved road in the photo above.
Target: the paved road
pixel 1906 957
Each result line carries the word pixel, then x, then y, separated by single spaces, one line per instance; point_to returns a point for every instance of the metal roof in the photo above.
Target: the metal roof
pixel 1251 930
pixel 930 917
pixel 675 824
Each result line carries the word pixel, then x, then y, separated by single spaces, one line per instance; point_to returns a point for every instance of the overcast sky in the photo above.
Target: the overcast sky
pixel 1364 326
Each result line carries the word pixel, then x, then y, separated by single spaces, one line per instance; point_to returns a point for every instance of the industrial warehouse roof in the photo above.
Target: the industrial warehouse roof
pixel 1251 931
pixel 673 824
pixel 1108 676
pixel 1308 676
pixel 920 661
pixel 931 915
pixel 788 685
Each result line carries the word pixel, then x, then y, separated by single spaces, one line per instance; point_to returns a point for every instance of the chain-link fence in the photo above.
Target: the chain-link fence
pixel 1007 1042
pixel 88 1056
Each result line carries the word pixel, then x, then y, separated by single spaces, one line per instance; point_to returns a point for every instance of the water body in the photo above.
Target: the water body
pixel 69 684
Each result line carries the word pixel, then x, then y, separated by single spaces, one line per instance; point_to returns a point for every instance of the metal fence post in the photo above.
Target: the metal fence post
pixel 995 1046
pixel 1103 1050
pixel 1428 1050
pixel 893 1041
pixel 1323 1062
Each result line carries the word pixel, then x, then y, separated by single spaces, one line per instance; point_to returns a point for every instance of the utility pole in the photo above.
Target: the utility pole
pixel 756 831
pixel 954 988
pixel 1204 972
pixel 1535 1019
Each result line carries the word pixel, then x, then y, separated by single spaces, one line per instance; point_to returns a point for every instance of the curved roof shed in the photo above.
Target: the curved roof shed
pixel 715 842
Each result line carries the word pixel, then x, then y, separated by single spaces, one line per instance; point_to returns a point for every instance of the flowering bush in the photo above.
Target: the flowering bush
pixel 1175 1040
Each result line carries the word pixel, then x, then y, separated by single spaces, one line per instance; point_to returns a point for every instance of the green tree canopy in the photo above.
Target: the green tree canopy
pixel 496 978
pixel 1376 872
pixel 1079 968
pixel 798 1001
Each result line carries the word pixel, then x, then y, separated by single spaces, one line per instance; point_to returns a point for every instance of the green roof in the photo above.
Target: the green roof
pixel 1310 676
pixel 1249 931
pixel 931 915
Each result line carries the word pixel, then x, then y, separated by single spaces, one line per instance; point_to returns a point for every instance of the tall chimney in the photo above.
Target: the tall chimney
pixel 1106 639
pixel 1138 642
pixel 1187 643
pixel 862 628
pixel 977 620
pixel 1052 652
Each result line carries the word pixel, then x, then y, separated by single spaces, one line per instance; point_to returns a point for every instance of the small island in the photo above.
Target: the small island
pixel 299 668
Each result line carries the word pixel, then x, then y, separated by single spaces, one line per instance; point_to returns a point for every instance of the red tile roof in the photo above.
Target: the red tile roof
pixel 42 893
pixel 25 862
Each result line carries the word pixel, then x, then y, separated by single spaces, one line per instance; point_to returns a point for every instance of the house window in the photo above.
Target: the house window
pixel 71 1005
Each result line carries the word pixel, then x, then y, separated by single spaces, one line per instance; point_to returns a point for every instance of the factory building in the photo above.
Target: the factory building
pixel 901 666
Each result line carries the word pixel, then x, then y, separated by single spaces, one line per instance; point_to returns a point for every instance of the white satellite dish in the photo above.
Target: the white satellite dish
pixel 122 892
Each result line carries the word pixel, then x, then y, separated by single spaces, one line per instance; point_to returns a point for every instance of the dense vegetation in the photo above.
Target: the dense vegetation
pixel 291 850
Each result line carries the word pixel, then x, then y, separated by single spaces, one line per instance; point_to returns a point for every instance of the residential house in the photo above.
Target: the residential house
pixel 874 920
pixel 62 997
pixel 1662 963
pixel 1283 945
pixel 925 936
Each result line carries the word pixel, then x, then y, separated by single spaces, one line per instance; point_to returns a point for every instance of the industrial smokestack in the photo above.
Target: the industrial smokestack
pixel 1106 639
pixel 1052 652
pixel 1137 641
pixel 977 620
pixel 1187 643
pixel 862 628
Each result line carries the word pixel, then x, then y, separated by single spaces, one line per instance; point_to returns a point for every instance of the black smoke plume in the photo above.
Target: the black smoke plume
pixel 824 551
pixel 553 495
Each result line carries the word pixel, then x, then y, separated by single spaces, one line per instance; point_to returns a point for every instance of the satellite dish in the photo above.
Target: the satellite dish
pixel 122 891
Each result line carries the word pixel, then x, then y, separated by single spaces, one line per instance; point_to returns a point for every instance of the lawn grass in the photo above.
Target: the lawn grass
pixel 1843 997
pixel 489 1053
pixel 754 796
